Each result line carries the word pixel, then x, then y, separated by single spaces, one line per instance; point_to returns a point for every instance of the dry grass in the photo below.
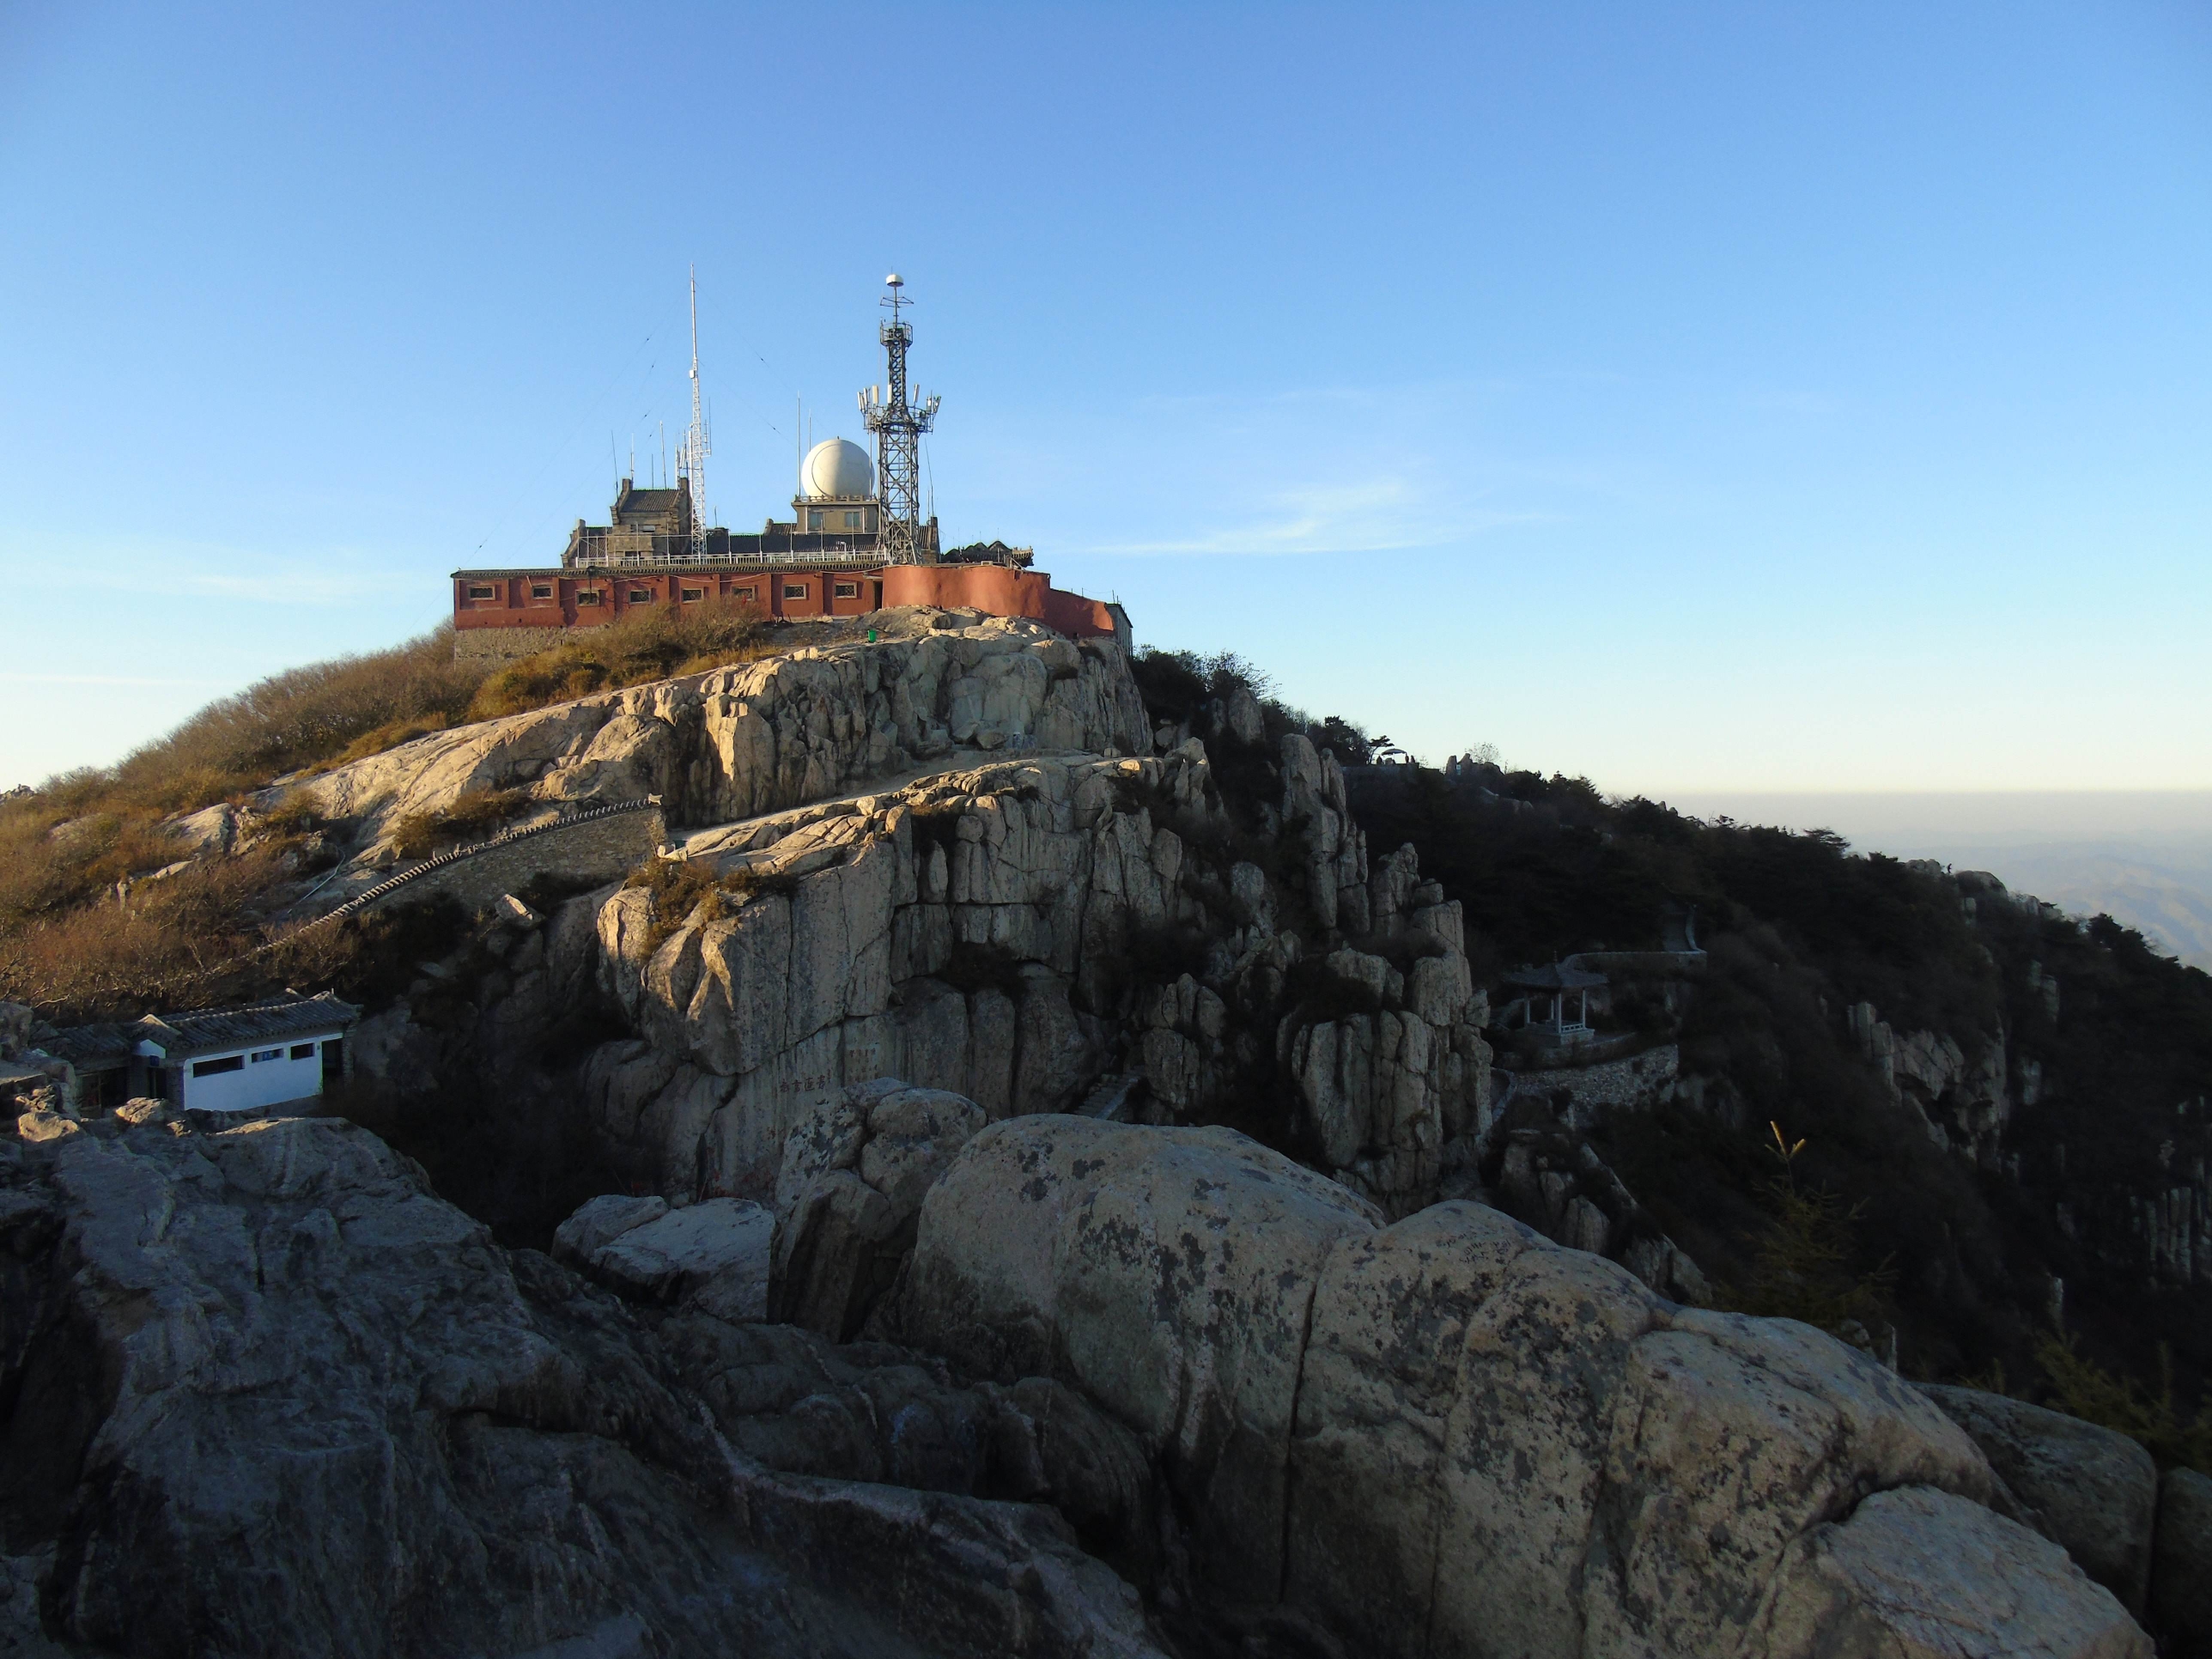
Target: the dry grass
pixel 64 846
pixel 165 945
pixel 68 946
pixel 632 652
pixel 683 889
pixel 290 721
pixel 388 736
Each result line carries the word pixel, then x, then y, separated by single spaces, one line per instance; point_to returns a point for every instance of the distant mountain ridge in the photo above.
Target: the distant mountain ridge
pixel 2143 857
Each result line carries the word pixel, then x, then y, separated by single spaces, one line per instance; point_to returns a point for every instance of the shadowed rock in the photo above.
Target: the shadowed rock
pixel 267 1393
pixel 2092 1491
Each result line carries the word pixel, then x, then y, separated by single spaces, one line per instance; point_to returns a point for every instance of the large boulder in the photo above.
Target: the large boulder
pixel 2181 1569
pixel 639 1248
pixel 849 1196
pixel 1450 1435
pixel 265 1393
pixel 2092 1490
pixel 1917 1574
pixel 1168 1274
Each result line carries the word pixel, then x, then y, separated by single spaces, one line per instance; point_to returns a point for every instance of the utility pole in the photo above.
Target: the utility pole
pixel 899 427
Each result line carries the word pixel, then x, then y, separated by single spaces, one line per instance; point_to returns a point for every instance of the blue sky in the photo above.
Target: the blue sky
pixel 1701 397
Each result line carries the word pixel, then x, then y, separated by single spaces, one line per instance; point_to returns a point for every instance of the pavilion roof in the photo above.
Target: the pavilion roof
pixel 1554 977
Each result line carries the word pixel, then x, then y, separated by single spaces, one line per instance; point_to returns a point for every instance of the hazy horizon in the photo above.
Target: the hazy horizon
pixel 2144 857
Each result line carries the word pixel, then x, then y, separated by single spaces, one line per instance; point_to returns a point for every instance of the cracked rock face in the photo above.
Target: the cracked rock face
pixel 990 932
pixel 1448 1435
pixel 849 1194
pixel 734 742
pixel 265 1392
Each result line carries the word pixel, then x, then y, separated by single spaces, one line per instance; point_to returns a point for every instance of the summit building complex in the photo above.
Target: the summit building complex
pixel 855 542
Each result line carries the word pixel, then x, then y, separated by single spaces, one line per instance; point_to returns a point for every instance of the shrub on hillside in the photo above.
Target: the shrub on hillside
pixel 637 649
pixel 682 889
pixel 2081 1388
pixel 475 814
pixel 171 942
pixel 278 725
pixel 70 840
pixel 1804 1260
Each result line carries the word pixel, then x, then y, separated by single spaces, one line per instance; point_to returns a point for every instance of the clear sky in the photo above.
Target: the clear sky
pixel 1702 397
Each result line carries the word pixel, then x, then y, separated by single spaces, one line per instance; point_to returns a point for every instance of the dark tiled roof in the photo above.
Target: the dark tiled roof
pixel 88 1045
pixel 235 1028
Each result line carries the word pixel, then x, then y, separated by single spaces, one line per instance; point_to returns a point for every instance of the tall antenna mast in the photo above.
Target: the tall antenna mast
pixel 899 427
pixel 696 445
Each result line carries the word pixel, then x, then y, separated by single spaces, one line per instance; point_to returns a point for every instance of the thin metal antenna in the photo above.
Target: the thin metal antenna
pixel 695 442
pixel 898 427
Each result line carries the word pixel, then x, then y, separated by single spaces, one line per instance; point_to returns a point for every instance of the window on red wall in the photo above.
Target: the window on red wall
pixel 541 592
pixel 745 594
pixel 483 591
pixel 641 596
pixel 693 593
pixel 587 596
pixel 849 589
pixel 795 590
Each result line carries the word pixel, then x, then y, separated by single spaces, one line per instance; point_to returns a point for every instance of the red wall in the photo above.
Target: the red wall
pixel 1000 591
pixel 511 605
pixel 997 590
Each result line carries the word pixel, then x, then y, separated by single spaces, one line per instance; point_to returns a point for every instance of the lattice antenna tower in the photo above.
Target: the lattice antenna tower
pixel 898 425
pixel 696 447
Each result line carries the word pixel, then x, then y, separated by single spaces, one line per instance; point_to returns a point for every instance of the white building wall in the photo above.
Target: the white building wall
pixel 257 1083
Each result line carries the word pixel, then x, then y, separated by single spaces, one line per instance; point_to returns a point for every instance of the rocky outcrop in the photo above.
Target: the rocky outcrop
pixel 849 1194
pixel 2171 1224
pixel 1919 1574
pixel 1557 1183
pixel 1448 1435
pixel 1963 1103
pixel 1015 932
pixel 734 742
pixel 2092 1491
pixel 265 1392
pixel 715 1255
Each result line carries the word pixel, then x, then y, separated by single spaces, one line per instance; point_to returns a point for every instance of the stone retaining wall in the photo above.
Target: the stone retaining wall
pixel 1638 1080
pixel 585 848
pixel 586 853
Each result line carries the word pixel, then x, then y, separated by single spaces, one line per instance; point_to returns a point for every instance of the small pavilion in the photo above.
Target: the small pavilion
pixel 1550 988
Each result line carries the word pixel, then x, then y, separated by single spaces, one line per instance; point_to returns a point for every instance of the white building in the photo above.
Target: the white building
pixel 237 1060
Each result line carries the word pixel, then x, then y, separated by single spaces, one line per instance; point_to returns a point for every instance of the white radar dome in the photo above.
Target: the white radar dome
pixel 836 466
